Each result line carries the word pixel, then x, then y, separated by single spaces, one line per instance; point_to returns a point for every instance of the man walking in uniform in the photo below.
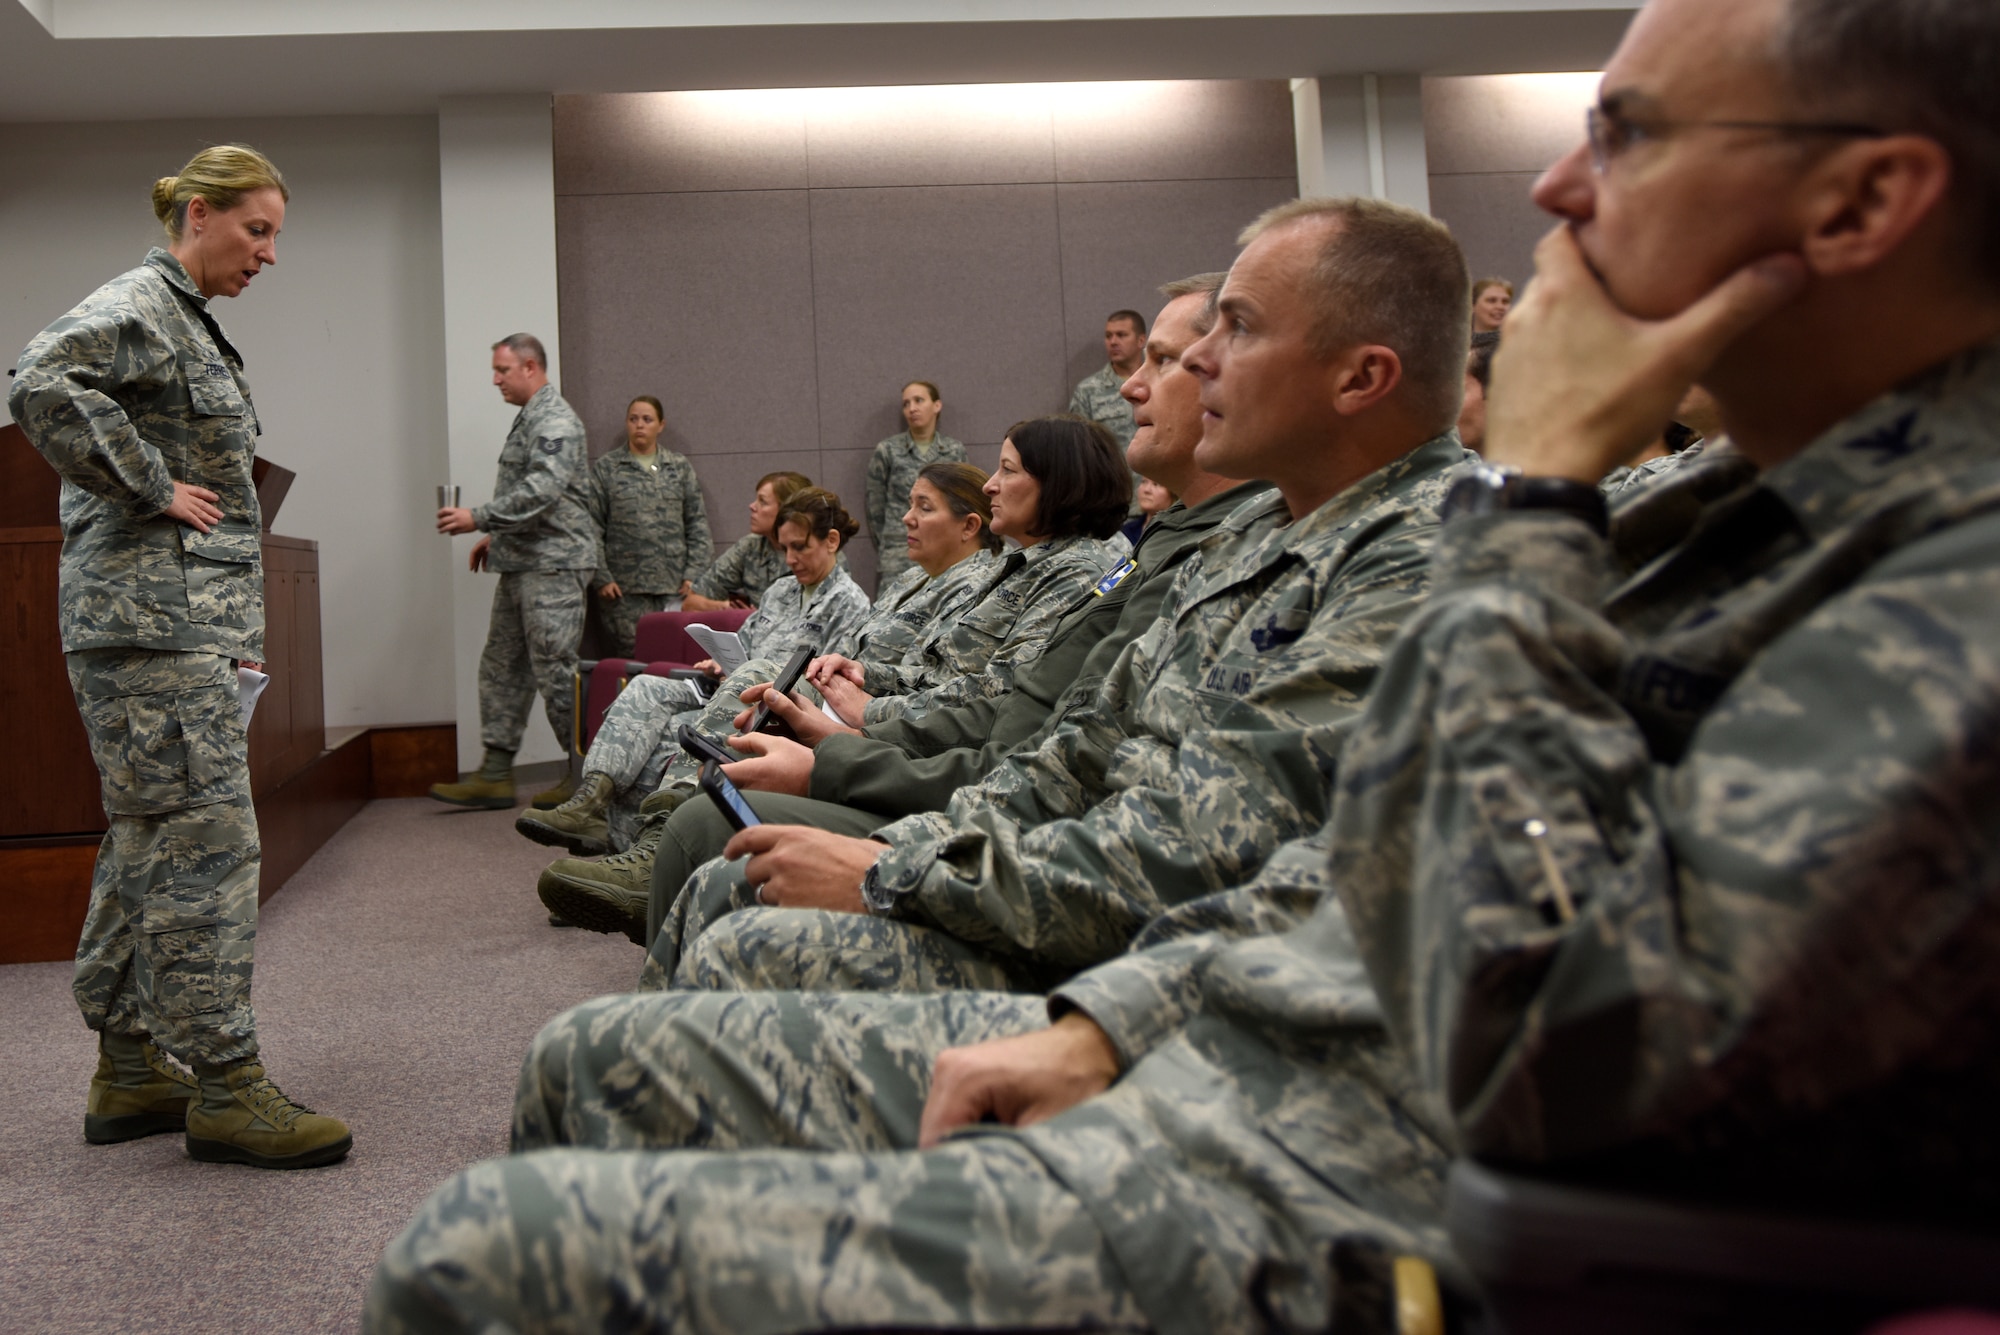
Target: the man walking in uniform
pixel 541 543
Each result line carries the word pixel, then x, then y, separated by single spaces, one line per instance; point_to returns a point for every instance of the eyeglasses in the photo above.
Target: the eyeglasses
pixel 1610 134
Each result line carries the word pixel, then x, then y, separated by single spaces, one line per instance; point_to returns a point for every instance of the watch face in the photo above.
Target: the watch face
pixel 1478 491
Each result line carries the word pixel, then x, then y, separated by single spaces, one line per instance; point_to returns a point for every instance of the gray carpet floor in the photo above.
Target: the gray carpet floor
pixel 400 975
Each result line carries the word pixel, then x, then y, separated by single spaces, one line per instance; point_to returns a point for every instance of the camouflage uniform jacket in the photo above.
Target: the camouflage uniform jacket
pixel 750 566
pixel 650 521
pixel 132 391
pixel 1697 865
pixel 893 469
pixel 540 512
pixel 1008 623
pixel 912 603
pixel 905 766
pixel 1096 397
pixel 779 625
pixel 1630 477
pixel 1208 745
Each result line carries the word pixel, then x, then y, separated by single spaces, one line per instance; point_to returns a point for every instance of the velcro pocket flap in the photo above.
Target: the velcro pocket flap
pixel 233 540
pixel 216 396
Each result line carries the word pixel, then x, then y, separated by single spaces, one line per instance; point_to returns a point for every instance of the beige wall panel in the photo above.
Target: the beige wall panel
pixel 1494 220
pixel 702 299
pixel 640 142
pixel 1173 131
pixel 1121 241
pixel 1498 123
pixel 729 480
pixel 954 284
pixel 929 136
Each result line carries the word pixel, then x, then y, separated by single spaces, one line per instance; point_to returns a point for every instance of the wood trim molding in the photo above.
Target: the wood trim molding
pixel 45 881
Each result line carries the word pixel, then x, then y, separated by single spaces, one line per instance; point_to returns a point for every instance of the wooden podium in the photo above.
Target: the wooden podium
pixel 51 818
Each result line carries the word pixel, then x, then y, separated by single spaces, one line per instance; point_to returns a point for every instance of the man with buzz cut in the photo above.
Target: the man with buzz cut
pixel 1333 374
pixel 1096 396
pixel 541 541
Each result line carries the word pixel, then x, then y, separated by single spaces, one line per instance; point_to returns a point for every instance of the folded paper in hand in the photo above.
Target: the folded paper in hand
pixel 250 684
pixel 724 646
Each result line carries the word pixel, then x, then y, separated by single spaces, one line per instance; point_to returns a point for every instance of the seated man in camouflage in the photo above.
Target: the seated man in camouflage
pixel 1208 744
pixel 1685 863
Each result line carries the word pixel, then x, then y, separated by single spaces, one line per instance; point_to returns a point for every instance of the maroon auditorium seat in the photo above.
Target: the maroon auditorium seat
pixel 663 640
pixel 662 645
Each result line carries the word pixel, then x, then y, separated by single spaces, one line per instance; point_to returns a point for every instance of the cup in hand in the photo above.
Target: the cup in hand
pixel 448 497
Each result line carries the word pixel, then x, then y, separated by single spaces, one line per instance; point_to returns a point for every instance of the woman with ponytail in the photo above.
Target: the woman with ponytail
pixel 137 397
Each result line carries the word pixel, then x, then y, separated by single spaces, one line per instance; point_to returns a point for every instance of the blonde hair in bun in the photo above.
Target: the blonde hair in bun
pixel 222 175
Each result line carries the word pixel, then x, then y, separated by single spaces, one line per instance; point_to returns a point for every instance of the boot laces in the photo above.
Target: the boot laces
pixel 269 1102
pixel 640 854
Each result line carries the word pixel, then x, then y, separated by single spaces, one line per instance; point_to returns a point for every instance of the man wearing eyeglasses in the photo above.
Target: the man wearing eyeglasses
pixel 1675 842
pixel 1670 841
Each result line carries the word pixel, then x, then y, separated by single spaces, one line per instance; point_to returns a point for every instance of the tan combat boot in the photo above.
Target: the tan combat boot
pixel 607 896
pixel 490 789
pixel 550 798
pixel 577 824
pixel 244 1118
pixel 136 1092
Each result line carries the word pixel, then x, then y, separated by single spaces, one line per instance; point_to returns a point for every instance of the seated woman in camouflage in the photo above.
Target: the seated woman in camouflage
pixel 651 526
pixel 753 563
pixel 947 534
pixel 1061 491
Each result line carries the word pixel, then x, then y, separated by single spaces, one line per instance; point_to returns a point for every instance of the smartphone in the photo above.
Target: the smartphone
pixel 703 747
pixel 735 808
pixel 763 720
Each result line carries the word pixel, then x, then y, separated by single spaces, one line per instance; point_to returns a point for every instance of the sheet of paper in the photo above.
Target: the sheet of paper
pixel 724 646
pixel 827 710
pixel 250 684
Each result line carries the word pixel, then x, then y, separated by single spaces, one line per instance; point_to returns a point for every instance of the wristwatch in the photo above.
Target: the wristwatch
pixel 877 899
pixel 1486 489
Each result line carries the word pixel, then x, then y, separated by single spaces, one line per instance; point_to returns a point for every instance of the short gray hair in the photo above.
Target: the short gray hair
pixel 1207 285
pixel 1929 67
pixel 526 347
pixel 1390 275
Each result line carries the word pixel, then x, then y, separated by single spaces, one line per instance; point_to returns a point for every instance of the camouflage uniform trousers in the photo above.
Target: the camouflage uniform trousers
pixel 641 749
pixel 531 645
pixel 620 618
pixel 713 934
pixel 166 945
pixel 857 1231
pixel 635 742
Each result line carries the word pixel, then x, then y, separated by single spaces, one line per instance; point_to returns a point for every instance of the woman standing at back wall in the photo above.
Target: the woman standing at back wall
pixel 652 527
pixel 137 398
pixel 893 469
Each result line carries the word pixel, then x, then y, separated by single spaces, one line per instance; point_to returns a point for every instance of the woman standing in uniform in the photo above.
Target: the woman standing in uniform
pixel 137 398
pixel 653 527
pixel 893 469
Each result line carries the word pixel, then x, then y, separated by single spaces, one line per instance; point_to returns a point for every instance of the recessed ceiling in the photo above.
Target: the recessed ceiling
pixel 88 60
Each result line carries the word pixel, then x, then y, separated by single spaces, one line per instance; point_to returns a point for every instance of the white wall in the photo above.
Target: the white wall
pixel 1362 135
pixel 343 343
pixel 497 192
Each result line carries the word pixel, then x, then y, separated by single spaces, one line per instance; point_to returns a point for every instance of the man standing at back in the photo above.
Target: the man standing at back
pixel 542 544
pixel 1096 395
